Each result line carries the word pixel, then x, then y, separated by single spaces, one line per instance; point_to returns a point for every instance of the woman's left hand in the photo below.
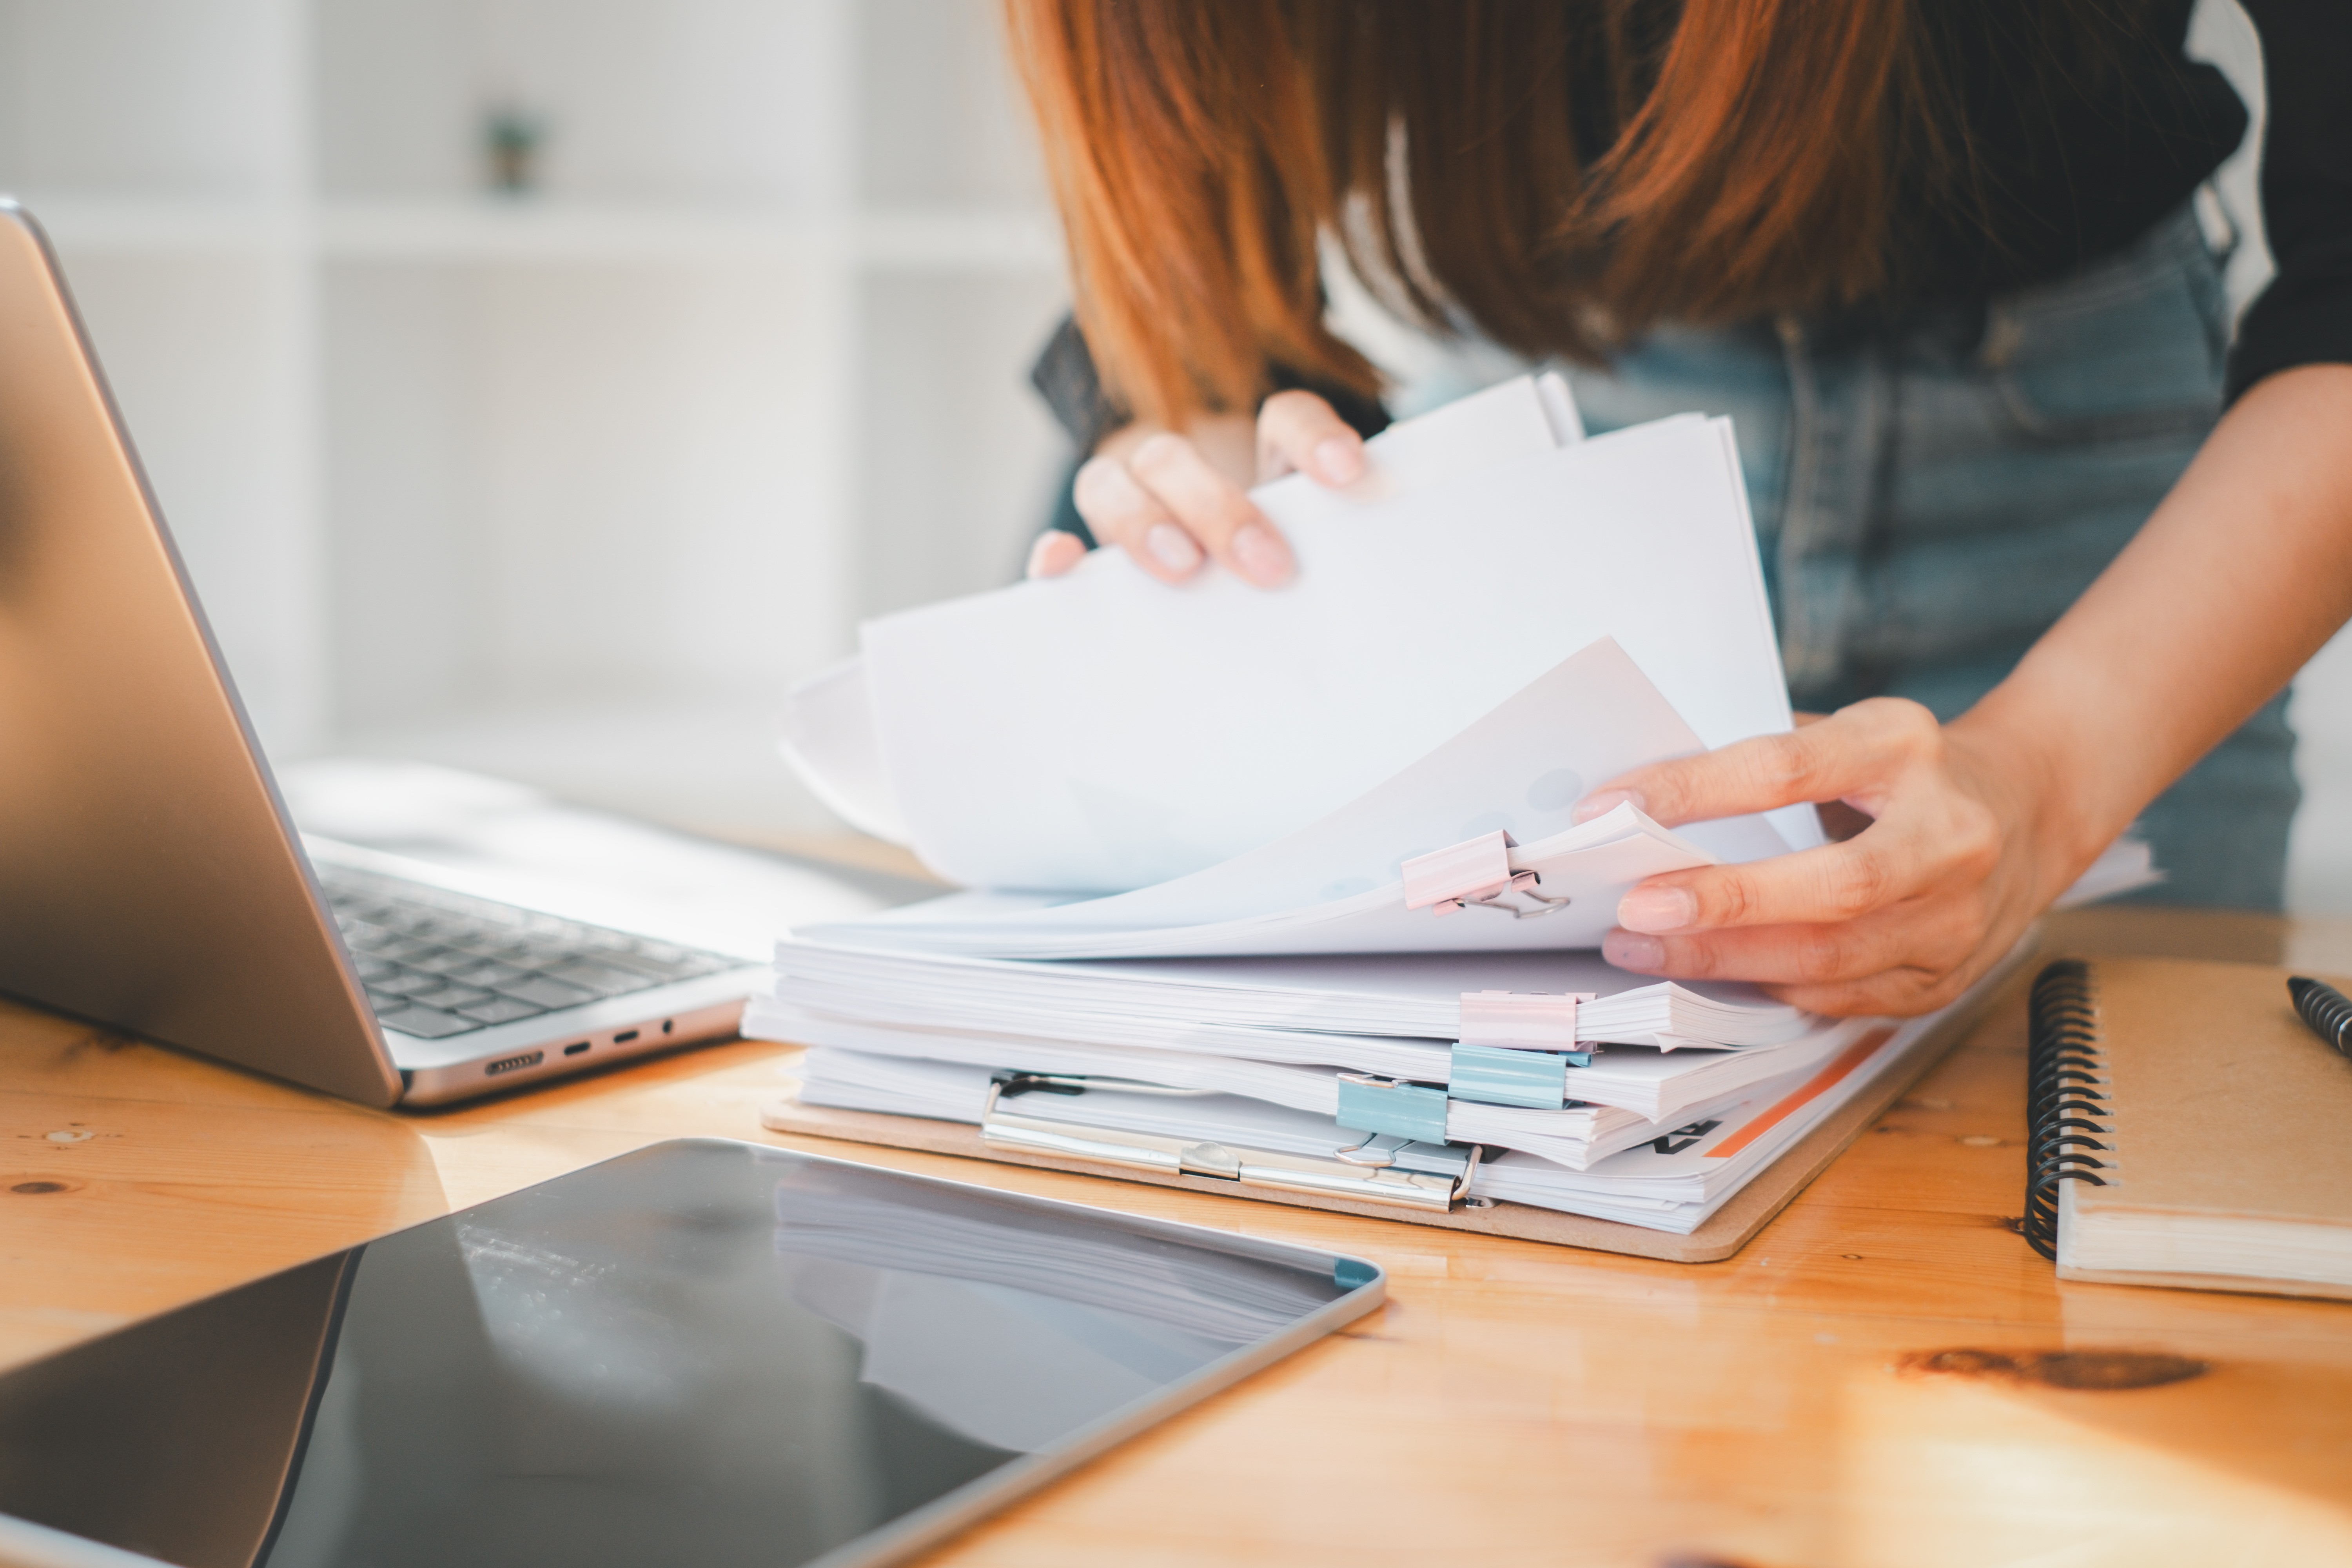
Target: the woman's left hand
pixel 1960 853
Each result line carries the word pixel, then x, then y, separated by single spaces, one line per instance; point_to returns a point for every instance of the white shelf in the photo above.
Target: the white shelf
pixel 949 240
pixel 142 226
pixel 944 240
pixel 527 229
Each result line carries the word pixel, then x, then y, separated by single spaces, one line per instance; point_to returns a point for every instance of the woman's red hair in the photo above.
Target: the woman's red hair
pixel 1202 151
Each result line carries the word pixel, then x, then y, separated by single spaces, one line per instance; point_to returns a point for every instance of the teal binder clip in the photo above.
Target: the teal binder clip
pixel 1369 1104
pixel 1495 1075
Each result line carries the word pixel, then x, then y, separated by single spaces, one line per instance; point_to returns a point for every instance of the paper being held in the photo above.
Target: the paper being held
pixel 1335 885
pixel 1106 731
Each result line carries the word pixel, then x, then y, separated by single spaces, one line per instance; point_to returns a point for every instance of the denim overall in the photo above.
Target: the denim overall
pixel 1932 492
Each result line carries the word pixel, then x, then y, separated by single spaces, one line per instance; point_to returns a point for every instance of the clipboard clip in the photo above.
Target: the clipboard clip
pixel 1475 874
pixel 1407 1175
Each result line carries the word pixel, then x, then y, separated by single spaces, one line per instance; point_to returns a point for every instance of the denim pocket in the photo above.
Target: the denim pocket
pixel 2128 348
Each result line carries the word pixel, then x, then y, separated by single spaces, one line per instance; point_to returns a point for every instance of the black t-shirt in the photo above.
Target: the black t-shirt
pixel 2069 162
pixel 2305 316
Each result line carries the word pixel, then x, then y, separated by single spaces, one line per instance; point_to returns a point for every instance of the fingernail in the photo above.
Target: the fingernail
pixel 1656 908
pixel 1172 548
pixel 1627 950
pixel 1341 460
pixel 1263 557
pixel 1600 802
pixel 1055 553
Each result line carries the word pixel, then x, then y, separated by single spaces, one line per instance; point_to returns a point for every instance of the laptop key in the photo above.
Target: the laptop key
pixel 545 992
pixel 404 983
pixel 658 969
pixel 441 961
pixel 426 1023
pixel 500 1010
pixel 450 997
pixel 605 979
pixel 488 973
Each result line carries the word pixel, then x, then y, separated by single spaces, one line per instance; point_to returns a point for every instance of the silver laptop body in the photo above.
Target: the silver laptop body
pixel 150 878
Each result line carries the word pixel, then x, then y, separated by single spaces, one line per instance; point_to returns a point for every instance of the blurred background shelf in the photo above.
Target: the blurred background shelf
pixel 602 464
pixel 950 240
pixel 1013 241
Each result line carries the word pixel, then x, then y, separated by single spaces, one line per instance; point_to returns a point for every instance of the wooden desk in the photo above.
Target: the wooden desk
pixel 1514 1403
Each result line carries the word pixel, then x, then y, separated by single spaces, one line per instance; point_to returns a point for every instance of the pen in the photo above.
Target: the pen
pixel 2325 1009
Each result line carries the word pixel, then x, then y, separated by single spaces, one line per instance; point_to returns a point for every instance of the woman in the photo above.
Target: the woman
pixel 2039 534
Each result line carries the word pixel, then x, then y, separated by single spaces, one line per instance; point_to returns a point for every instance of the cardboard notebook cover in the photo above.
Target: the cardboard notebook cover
pixel 1724 1233
pixel 2221 1105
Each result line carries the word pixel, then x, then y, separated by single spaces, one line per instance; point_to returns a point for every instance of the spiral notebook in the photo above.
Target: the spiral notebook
pixel 2188 1129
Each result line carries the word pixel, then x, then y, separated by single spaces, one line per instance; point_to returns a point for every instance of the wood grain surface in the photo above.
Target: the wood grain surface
pixel 1887 1376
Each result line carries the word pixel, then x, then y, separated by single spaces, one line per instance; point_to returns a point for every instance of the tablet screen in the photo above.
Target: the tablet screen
pixel 699 1353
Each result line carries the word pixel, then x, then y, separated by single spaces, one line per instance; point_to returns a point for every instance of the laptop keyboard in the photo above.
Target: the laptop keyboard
pixel 438 964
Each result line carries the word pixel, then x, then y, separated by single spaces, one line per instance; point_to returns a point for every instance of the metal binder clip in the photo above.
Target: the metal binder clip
pixel 1386 1150
pixel 1474 874
pixel 1410 1175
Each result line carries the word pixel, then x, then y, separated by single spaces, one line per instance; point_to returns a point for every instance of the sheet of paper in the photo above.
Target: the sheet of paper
pixel 1185 726
pixel 830 740
pixel 1396 995
pixel 1331 886
pixel 830 737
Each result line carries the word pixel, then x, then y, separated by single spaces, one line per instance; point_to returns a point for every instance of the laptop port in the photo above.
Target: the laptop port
pixel 574 1050
pixel 625 1036
pixel 667 1025
pixel 528 1060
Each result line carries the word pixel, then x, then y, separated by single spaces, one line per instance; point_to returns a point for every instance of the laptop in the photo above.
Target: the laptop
pixel 151 879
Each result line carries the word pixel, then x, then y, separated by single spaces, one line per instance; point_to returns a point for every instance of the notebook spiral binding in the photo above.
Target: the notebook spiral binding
pixel 2326 1010
pixel 2065 1105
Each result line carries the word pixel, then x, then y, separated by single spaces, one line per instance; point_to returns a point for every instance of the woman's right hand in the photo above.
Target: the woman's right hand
pixel 1172 501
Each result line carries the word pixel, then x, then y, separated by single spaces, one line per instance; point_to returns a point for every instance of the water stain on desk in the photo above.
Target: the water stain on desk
pixel 32 1186
pixel 2093 1369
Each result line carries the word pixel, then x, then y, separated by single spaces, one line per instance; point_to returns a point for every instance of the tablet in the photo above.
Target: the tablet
pixel 703 1353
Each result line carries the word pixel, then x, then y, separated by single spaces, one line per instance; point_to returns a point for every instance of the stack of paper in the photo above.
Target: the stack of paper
pixel 1669 1177
pixel 1303 841
pixel 1392 1017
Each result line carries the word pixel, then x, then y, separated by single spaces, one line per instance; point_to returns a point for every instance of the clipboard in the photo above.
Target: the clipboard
pixel 1415 1196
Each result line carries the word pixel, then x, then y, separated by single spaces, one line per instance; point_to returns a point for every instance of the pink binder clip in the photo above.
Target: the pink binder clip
pixel 1476 868
pixel 1522 1020
pixel 1474 874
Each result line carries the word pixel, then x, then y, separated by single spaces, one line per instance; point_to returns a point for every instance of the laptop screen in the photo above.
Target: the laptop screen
pixel 702 1352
